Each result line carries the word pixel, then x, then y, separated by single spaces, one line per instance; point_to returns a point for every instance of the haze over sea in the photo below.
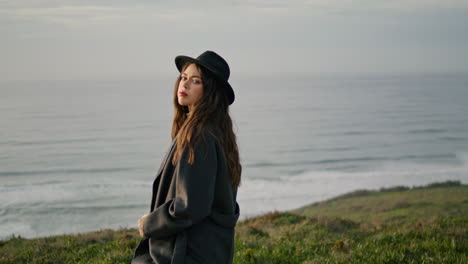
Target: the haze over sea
pixel 78 156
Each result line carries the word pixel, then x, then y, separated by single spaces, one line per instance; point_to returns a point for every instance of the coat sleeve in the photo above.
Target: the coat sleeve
pixel 194 194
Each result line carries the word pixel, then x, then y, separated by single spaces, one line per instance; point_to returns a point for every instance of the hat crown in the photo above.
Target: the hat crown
pixel 215 63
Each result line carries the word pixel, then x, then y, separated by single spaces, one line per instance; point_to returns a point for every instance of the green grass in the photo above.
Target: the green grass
pixel 394 204
pixel 396 225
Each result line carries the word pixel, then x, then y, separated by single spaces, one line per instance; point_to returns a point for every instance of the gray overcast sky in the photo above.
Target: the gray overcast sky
pixel 81 39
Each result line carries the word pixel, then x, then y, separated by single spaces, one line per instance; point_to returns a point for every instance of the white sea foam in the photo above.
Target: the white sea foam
pixel 16 228
pixel 290 192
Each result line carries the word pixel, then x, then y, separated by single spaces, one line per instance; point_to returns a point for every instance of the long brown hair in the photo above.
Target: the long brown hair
pixel 212 108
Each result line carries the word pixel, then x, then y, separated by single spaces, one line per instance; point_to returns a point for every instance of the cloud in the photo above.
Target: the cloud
pixel 85 13
pixel 134 37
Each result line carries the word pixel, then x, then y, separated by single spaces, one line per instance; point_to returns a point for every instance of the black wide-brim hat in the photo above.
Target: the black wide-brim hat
pixel 212 62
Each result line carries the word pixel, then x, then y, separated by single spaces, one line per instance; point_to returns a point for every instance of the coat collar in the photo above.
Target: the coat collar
pixel 167 157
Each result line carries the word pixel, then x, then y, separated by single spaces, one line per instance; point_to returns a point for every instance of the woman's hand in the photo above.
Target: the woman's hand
pixel 140 225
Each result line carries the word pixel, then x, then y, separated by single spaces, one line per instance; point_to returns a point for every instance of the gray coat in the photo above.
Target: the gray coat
pixel 193 210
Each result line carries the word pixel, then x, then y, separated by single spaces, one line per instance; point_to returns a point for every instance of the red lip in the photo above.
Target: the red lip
pixel 182 94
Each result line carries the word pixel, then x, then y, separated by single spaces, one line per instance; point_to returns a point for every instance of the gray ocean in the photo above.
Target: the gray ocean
pixel 78 156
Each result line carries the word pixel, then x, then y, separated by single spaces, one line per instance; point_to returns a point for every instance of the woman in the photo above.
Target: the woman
pixel 193 209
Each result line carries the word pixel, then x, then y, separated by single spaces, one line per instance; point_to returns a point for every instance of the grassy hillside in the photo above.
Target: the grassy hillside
pixel 396 225
pixel 395 204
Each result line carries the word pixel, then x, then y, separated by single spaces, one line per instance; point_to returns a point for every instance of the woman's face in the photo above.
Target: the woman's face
pixel 190 88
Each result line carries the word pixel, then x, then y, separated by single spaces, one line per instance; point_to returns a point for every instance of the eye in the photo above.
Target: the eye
pixel 196 82
pixel 183 78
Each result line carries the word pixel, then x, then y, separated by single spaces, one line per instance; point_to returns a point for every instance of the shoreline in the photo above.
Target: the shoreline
pixel 419 224
pixel 355 193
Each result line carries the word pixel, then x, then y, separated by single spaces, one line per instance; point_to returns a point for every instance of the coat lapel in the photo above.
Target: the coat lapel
pixel 158 175
pixel 166 158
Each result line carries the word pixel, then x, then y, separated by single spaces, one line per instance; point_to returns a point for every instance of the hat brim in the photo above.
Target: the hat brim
pixel 181 60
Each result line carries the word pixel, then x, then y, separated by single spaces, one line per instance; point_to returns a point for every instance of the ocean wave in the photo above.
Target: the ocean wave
pixel 427 131
pixel 60 210
pixel 264 164
pixel 66 141
pixel 453 138
pixel 354 159
pixel 312 149
pixel 65 171
pixel 350 133
pixel 394 158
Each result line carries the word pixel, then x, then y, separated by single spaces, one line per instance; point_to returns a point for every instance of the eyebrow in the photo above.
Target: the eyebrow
pixel 192 75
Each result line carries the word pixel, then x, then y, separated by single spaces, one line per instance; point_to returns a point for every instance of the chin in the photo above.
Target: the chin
pixel 182 102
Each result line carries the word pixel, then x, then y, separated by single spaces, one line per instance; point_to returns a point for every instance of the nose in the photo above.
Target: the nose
pixel 185 83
